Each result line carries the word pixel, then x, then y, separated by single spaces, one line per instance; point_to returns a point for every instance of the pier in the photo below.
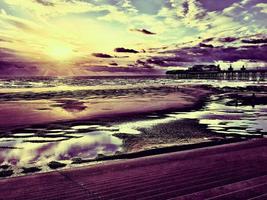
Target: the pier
pixel 215 73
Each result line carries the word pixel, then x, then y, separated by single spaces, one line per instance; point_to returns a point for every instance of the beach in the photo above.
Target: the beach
pixel 132 99
pixel 58 124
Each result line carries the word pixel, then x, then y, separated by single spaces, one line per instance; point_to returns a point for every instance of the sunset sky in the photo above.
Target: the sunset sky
pixel 129 37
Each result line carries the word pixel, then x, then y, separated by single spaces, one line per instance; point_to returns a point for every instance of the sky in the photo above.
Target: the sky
pixel 129 37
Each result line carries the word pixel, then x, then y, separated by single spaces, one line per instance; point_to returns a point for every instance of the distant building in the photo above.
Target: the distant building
pixel 231 68
pixel 205 68
pixel 243 68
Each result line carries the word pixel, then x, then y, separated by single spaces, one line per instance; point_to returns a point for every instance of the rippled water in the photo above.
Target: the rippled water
pixel 37 146
pixel 105 82
pixel 67 142
pixel 230 120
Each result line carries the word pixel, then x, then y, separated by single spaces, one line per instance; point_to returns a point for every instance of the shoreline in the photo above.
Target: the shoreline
pixel 141 155
pixel 165 150
pixel 103 160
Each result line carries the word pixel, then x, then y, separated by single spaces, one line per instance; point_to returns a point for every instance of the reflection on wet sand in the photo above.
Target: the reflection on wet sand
pixel 15 111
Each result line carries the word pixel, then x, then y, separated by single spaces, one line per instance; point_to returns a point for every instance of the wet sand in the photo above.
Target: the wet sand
pixel 49 139
pixel 162 135
pixel 22 109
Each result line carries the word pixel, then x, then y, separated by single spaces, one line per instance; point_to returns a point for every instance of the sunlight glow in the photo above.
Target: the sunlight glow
pixel 60 52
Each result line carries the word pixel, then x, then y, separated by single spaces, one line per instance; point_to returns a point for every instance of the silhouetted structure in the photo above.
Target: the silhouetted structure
pixel 215 72
pixel 205 68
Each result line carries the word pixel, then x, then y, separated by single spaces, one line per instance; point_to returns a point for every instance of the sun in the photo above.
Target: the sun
pixel 60 52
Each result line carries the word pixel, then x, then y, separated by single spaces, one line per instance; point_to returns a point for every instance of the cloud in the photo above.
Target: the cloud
pixel 8 68
pixel 203 54
pixel 10 22
pixel 101 55
pixel 114 64
pixel 47 9
pixel 192 10
pixel 206 45
pixel 124 50
pixel 5 40
pixel 208 40
pixel 144 31
pixel 218 6
pixel 45 2
pixel 255 41
pixel 263 7
pixel 132 69
pixel 127 6
pixel 228 39
pixel 7 54
pixel 167 61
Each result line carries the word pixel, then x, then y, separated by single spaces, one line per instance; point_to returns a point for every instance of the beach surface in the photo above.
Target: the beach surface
pixel 229 171
pixel 43 130
pixel 51 124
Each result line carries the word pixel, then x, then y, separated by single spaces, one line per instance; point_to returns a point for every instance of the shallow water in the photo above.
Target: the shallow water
pixel 51 99
pixel 229 120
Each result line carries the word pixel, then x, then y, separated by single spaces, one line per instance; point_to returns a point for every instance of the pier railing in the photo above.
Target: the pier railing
pixel 248 75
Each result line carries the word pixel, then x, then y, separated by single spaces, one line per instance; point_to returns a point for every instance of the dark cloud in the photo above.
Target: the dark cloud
pixel 114 64
pixel 12 65
pixel 124 50
pixel 233 54
pixel 196 54
pixel 143 64
pixel 5 40
pixel 128 69
pixel 208 40
pixel 144 31
pixel 218 6
pixel 101 55
pixel 140 62
pixel 4 65
pixel 228 39
pixel 122 56
pixel 167 61
pixel 17 69
pixel 45 2
pixel 185 8
pixel 255 41
pixel 6 53
pixel 206 45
